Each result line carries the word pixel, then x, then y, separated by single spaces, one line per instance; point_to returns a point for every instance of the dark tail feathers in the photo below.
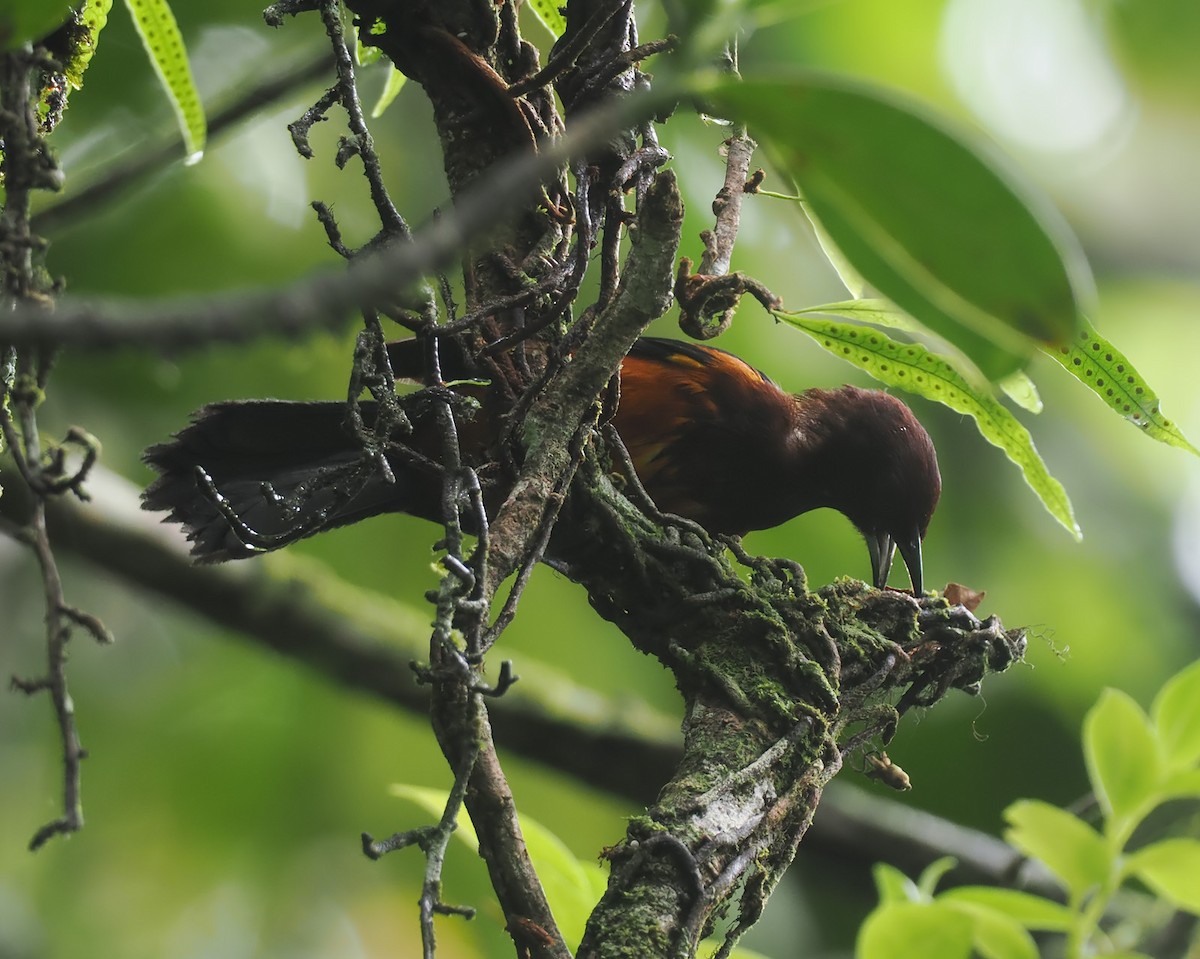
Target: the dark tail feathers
pixel 246 477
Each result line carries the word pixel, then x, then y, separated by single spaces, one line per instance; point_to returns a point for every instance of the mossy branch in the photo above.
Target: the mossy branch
pixel 778 683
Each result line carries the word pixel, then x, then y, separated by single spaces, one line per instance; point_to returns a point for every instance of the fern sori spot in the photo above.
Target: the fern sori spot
pixel 937 226
pixel 550 15
pixel 160 36
pixel 1108 373
pixel 911 367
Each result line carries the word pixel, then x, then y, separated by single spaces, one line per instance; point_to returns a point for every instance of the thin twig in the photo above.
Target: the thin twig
pixel 322 300
pixel 364 144
pixel 565 54
pixel 727 206
pixel 28 166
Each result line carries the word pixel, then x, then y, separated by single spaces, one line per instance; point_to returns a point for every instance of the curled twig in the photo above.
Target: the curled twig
pixel 707 303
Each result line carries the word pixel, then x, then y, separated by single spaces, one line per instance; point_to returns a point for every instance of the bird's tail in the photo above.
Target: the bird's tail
pixel 246 477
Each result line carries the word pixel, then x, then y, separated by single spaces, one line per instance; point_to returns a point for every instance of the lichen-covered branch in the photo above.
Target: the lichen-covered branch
pixel 299 609
pixel 777 682
pixel 45 471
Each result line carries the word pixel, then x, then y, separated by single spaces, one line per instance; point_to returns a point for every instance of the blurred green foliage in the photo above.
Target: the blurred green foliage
pixel 226 788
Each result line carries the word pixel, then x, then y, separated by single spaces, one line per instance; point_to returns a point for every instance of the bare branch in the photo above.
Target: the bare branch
pixel 44 474
pixel 365 642
pixel 321 301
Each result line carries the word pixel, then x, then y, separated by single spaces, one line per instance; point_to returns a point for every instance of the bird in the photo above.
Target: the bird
pixel 711 439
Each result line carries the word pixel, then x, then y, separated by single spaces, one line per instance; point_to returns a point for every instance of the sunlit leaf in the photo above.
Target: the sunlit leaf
pixel 936 226
pixel 1121 753
pixel 550 14
pixel 1184 784
pixel 160 35
pixel 93 17
pixel 1018 387
pixel 364 56
pixel 892 885
pixel 395 83
pixel 911 367
pixel 932 874
pixel 908 930
pixel 1172 869
pixel 1032 912
pixel 995 934
pixel 1105 370
pixel 1070 848
pixel 1176 713
pixel 1021 390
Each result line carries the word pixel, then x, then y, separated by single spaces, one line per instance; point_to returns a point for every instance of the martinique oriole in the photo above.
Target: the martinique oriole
pixel 711 439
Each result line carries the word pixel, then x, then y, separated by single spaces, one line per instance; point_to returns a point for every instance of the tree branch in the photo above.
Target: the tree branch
pixel 44 473
pixel 299 609
pixel 325 299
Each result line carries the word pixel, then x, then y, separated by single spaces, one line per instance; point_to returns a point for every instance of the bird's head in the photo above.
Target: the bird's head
pixel 876 464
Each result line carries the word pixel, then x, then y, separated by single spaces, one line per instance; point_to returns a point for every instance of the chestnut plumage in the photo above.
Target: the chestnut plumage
pixel 710 437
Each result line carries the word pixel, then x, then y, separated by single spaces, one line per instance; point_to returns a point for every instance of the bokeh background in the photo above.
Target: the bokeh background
pixel 227 787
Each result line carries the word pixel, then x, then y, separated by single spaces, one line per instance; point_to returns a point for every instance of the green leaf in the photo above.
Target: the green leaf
pixel 364 56
pixel 93 17
pixel 995 935
pixel 1107 373
pixel 854 283
pixel 932 874
pixel 395 83
pixel 1176 713
pixel 1032 912
pixel 892 885
pixel 936 226
pixel 160 36
pixel 1021 390
pixel 1172 869
pixel 911 367
pixel 1121 753
pixel 909 930
pixel 24 21
pixel 1070 848
pixel 1184 784
pixel 548 12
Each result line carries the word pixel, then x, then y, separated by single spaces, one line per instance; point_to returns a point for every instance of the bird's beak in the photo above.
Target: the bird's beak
pixel 883 549
pixel 910 550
